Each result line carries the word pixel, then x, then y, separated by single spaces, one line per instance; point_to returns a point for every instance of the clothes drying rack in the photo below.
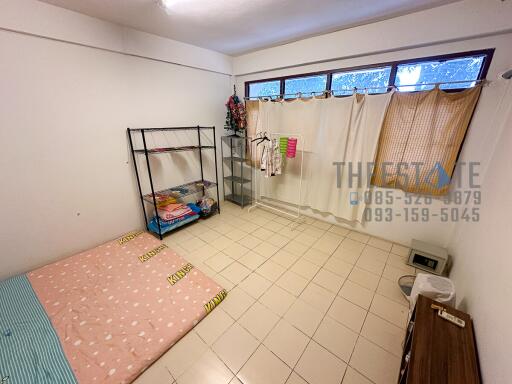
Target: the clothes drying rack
pixel 199 186
pixel 258 202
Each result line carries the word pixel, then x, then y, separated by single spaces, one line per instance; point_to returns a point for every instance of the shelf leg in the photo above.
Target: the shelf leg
pixel 138 179
pixel 216 170
pixel 200 156
pixel 151 183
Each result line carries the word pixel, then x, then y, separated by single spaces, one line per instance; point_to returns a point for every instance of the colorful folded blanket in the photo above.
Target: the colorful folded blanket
pixel 173 211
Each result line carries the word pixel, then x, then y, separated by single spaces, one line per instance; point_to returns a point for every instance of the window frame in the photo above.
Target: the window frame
pixel 488 53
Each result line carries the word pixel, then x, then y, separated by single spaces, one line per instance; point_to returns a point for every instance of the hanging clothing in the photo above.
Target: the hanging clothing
pixel 335 130
pixel 271 158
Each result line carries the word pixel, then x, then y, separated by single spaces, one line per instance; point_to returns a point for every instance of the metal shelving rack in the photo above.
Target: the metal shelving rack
pixel 193 187
pixel 240 179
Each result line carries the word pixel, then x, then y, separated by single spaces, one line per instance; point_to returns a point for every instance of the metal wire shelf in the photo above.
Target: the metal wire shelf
pixel 183 190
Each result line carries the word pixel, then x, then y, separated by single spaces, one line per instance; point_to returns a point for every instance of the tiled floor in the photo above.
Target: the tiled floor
pixel 308 302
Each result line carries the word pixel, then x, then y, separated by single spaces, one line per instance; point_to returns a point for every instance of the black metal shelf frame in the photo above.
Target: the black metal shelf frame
pixel 239 179
pixel 192 187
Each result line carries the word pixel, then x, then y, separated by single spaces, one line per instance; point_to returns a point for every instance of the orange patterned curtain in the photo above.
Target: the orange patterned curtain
pixel 420 139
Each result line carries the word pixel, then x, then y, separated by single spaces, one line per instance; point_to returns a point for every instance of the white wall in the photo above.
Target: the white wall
pixel 453 22
pixel 67 176
pixel 483 259
pixel 42 19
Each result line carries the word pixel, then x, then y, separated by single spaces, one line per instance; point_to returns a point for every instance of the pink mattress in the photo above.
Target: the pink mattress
pixel 118 307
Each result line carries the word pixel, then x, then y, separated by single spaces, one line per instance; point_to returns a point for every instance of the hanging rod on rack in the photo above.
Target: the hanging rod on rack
pixel 355 89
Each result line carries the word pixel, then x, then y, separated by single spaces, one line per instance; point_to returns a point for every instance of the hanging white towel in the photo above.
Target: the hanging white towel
pixel 348 134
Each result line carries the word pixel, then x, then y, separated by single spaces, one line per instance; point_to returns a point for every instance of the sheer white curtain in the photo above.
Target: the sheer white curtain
pixel 344 130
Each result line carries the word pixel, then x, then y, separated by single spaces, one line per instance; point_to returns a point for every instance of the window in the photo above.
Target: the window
pixel 377 79
pixel 460 70
pixel 265 88
pixel 306 85
pixel 428 72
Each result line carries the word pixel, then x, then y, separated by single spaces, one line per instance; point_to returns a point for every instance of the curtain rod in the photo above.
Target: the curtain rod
pixel 355 89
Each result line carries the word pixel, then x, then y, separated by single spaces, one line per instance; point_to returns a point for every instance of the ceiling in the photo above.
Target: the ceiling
pixel 239 26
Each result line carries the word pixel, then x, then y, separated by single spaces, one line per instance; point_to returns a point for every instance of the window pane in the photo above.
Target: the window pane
pixel 307 84
pixel 375 78
pixel 466 68
pixel 265 88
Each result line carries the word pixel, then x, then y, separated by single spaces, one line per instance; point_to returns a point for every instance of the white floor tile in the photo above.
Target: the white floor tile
pixel 375 363
pixel 354 377
pixel 316 256
pixel 213 325
pixel 236 303
pixel 347 313
pixel 370 265
pixel 379 243
pixel 296 248
pixel 252 260
pixel 390 310
pixel 336 338
pixel 328 243
pixel 338 267
pixel 352 245
pixel 292 282
pixel 357 294
pixel 235 251
pixel 284 258
pixel 262 234
pixel 255 285
pixel 393 273
pixel 400 250
pixel 364 278
pixel 306 239
pixel 278 240
pixel 157 373
pixel 266 249
pixel 235 347
pixel 219 261
pixel 223 282
pixel 221 242
pixel 287 342
pixel 270 270
pixel 303 316
pixel 235 272
pixel 392 291
pixel 264 368
pixel 358 236
pixel 318 297
pixel 319 366
pixel 258 320
pixel 277 299
pixel 208 369
pixel 329 280
pixel 236 234
pixel 184 353
pixel 305 269
pixel 384 334
pixel 340 231
pixel 296 379
pixel 249 241
pixel 347 255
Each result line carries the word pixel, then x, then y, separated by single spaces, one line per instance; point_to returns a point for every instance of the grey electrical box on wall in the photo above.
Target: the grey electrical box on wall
pixel 428 257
